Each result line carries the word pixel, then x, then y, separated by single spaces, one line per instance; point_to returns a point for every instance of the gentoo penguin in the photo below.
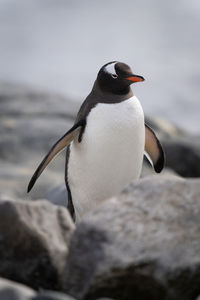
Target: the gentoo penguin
pixel 106 144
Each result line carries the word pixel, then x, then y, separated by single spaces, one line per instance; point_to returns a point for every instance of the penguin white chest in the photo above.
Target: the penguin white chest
pixel 110 155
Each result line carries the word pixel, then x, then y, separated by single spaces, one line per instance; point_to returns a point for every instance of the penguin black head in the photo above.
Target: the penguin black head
pixel 116 77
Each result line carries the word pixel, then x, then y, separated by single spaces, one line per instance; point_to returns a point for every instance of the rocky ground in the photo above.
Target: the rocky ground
pixel 143 244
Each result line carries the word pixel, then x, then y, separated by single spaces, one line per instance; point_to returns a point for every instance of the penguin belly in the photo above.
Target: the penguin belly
pixel 109 156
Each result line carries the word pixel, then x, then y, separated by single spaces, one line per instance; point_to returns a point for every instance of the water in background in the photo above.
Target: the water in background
pixel 61 44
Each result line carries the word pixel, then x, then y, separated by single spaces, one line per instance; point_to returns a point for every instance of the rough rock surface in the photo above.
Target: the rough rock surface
pixel 34 239
pixel 145 244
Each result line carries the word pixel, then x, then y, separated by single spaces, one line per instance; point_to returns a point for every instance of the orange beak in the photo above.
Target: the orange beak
pixel 135 78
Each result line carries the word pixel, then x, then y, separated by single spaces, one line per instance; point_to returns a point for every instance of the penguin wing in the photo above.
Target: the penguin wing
pixel 154 150
pixel 57 147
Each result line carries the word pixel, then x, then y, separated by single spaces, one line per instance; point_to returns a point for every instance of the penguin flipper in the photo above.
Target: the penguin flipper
pixel 57 147
pixel 154 149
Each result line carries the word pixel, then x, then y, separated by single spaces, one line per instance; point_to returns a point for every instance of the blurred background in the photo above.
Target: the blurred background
pixel 59 45
pixel 50 53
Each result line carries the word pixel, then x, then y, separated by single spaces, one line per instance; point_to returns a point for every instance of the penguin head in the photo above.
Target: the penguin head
pixel 116 77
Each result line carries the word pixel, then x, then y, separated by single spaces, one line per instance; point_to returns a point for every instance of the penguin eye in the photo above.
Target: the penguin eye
pixel 114 76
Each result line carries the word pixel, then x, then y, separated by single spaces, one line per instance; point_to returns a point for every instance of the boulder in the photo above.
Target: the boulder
pixel 182 149
pixel 183 156
pixel 31 121
pixel 144 244
pixel 34 243
pixel 14 291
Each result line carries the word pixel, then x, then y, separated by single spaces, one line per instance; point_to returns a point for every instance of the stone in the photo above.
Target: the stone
pixel 182 149
pixel 15 291
pixel 143 244
pixel 31 121
pixel 34 239
pixel 183 156
pixel 164 128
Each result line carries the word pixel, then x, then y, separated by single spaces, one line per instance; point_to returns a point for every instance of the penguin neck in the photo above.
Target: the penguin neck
pixel 108 97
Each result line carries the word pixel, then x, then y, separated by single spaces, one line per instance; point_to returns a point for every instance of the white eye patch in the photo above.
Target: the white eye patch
pixel 111 68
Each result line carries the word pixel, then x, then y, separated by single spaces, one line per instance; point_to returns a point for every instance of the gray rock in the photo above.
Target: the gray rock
pixel 144 244
pixel 164 128
pixel 182 149
pixel 14 291
pixel 34 239
pixel 31 121
pixel 183 156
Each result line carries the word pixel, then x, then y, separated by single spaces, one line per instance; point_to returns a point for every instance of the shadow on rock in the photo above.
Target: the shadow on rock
pixel 34 242
pixel 144 244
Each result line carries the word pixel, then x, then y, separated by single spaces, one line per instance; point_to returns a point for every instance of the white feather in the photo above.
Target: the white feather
pixel 110 155
pixel 149 158
pixel 111 68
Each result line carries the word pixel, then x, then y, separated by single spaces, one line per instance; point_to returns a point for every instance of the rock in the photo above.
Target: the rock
pixel 182 149
pixel 144 244
pixel 164 128
pixel 14 291
pixel 31 121
pixel 183 157
pixel 34 239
